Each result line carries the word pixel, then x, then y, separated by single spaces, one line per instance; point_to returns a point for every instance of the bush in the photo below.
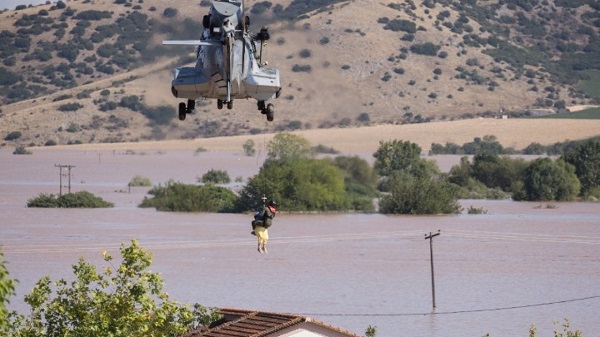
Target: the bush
pixel 476 210
pixel 140 181
pixel 70 107
pixel 427 48
pixel 81 199
pixel 160 115
pixel 302 68
pixel 419 195
pixel 547 180
pixel 249 149
pixel 93 15
pixel 8 78
pixel 13 136
pixel 21 150
pixel 170 12
pixel 215 177
pixel 179 197
pixel 305 53
pixel 399 25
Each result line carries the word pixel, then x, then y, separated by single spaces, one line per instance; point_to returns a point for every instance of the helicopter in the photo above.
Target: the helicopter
pixel 229 65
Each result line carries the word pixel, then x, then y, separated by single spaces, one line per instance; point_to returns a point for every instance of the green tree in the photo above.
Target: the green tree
pixel 419 195
pixel 287 146
pixel 495 171
pixel 547 180
pixel 300 184
pixel 396 155
pixel 216 177
pixel 7 289
pixel 586 159
pixel 140 181
pixel 121 300
pixel 359 182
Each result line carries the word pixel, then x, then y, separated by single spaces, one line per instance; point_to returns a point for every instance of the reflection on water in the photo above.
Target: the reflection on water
pixel 495 273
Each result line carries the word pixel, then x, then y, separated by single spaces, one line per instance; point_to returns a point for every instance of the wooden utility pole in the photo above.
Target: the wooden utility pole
pixel 61 174
pixel 430 237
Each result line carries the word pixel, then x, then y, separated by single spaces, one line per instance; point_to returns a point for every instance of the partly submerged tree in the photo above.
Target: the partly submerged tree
pixel 420 195
pixel 547 180
pixel 122 300
pixel 301 184
pixel 586 159
pixel 180 197
pixel 415 185
pixel 288 146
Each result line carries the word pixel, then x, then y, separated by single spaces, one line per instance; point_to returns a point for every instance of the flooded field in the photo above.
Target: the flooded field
pixel 495 273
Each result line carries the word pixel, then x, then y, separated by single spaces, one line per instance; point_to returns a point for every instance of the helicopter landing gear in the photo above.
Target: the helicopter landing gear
pixel 186 109
pixel 268 110
pixel 220 104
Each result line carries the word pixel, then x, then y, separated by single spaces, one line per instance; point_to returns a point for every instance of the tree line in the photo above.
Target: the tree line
pixel 400 181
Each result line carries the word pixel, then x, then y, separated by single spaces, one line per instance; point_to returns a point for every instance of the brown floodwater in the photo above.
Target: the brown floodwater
pixel 496 273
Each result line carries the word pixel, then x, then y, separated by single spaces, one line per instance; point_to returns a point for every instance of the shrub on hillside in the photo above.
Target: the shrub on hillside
pixel 13 136
pixel 81 199
pixel 170 12
pixel 426 48
pixel 93 15
pixel 70 107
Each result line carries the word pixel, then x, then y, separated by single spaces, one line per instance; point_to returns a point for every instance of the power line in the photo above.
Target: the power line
pixel 452 312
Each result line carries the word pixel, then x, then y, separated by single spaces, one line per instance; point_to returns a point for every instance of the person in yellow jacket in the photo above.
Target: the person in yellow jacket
pixel 264 220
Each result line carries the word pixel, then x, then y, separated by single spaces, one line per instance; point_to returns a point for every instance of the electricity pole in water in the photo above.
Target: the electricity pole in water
pixel 430 237
pixel 61 174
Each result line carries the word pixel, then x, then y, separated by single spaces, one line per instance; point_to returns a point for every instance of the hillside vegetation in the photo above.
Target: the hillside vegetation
pixel 94 71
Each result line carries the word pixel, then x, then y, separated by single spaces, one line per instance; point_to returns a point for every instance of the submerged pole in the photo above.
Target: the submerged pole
pixel 430 237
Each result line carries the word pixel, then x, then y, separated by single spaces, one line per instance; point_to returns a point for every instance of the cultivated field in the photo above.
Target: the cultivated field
pixel 517 133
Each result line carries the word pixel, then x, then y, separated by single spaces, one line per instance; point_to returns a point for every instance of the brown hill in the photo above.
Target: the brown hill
pixel 358 66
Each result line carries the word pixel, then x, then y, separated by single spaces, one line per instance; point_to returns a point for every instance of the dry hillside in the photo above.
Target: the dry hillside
pixel 343 63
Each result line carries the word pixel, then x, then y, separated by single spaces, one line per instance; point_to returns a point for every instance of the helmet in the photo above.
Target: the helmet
pixel 272 203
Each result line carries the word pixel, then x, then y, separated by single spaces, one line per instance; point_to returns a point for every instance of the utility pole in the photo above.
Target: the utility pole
pixel 61 174
pixel 430 237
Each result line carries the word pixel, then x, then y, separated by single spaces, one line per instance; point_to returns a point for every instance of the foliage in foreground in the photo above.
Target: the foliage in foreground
pixel 124 300
pixel 81 199
pixel 7 289
pixel 179 197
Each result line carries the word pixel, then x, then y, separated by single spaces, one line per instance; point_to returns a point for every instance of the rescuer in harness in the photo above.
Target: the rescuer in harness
pixel 263 219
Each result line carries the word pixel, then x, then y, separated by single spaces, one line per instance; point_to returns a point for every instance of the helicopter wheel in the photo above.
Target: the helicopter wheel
pixel 219 104
pixel 270 112
pixel 182 111
pixel 261 107
pixel 230 105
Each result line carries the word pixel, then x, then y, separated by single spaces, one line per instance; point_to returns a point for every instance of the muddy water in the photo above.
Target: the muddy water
pixel 495 273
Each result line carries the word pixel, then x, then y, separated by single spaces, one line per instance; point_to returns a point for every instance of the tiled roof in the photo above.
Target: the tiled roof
pixel 248 323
